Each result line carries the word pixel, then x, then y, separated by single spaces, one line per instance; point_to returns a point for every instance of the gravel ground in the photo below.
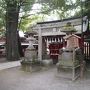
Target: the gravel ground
pixel 16 79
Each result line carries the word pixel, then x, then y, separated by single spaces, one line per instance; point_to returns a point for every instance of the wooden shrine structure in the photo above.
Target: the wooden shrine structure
pixel 50 36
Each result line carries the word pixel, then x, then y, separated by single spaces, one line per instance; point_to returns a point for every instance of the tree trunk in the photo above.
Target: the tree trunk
pixel 11 31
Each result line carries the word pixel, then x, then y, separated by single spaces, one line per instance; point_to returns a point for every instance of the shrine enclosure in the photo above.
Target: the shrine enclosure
pixel 50 37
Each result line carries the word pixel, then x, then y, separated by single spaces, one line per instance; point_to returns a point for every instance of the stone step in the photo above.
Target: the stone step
pixel 7 65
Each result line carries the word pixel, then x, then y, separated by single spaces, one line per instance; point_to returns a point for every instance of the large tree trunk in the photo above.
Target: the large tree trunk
pixel 11 31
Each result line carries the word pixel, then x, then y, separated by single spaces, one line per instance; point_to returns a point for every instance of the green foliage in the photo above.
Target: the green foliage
pixel 87 8
pixel 23 5
pixel 2 16
pixel 27 5
pixel 62 7
pixel 26 22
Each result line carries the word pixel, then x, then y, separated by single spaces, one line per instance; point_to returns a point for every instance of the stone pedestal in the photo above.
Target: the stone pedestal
pixel 69 64
pixel 30 66
pixel 68 58
pixel 30 55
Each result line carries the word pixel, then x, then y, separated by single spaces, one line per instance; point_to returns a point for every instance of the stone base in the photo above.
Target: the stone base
pixel 30 67
pixel 70 72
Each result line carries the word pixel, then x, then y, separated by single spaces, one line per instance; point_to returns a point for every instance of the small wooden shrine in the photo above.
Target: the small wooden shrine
pixel 72 41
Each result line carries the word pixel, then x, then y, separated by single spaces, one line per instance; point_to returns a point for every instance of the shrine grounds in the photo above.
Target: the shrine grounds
pixel 47 79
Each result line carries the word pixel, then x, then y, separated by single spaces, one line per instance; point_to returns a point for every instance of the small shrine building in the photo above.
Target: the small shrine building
pixel 49 33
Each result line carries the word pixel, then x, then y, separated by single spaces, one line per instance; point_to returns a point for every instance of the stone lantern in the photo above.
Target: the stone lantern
pixel 30 52
pixel 69 29
pixel 30 61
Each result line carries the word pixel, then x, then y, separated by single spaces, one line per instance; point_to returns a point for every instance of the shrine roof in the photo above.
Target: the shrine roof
pixel 69 36
pixel 72 18
pixel 52 28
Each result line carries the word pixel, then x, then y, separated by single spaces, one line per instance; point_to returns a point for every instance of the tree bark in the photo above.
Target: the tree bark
pixel 12 14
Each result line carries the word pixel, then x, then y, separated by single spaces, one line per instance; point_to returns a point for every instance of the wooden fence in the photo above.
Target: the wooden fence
pixel 87 51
